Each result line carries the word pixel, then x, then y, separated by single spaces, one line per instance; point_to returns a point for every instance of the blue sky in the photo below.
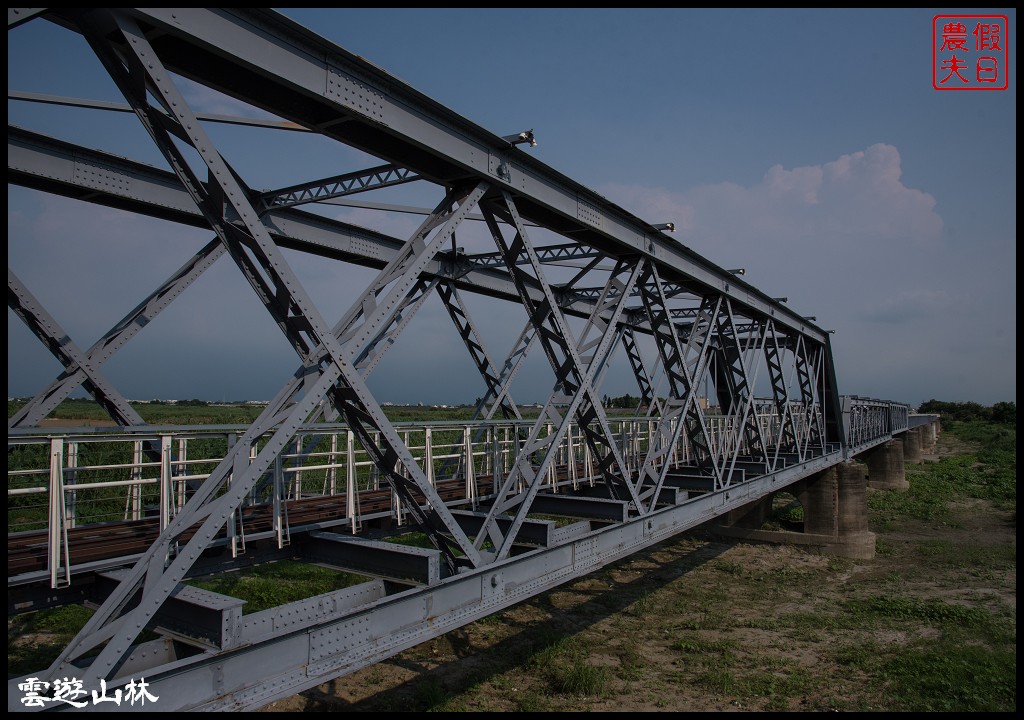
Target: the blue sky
pixel 806 146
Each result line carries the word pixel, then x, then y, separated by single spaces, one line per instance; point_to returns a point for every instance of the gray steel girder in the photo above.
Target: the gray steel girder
pixel 285 60
pixel 337 186
pixel 679 363
pixel 280 652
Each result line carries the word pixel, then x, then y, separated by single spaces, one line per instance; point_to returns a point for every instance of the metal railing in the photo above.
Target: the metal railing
pixel 868 422
pixel 67 479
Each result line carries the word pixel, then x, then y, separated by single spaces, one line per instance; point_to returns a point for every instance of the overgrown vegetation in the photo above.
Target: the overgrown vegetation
pixel 984 468
pixel 267 586
pixel 34 640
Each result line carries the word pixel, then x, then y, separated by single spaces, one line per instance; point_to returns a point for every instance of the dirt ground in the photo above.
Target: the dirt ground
pixel 692 624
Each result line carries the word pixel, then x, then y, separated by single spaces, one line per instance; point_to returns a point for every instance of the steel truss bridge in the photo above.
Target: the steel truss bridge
pixel 512 503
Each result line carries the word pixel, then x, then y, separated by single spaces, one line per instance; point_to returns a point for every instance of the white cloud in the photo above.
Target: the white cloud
pixel 848 242
pixel 857 198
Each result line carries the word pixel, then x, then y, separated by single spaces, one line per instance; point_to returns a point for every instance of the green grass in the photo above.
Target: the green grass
pixel 34 640
pixel 898 610
pixel 944 675
pixel 631 661
pixel 564 663
pixel 987 472
pixel 952 677
pixel 431 695
pixel 579 677
pixel 696 647
pixel 268 586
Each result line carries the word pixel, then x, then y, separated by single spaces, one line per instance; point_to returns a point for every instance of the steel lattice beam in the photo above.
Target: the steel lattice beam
pixel 337 186
pixel 556 338
pixel 680 364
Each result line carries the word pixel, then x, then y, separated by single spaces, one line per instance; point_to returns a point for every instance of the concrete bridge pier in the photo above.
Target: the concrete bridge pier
pixel 835 515
pixel 912 446
pixel 929 436
pixel 886 469
pixel 749 517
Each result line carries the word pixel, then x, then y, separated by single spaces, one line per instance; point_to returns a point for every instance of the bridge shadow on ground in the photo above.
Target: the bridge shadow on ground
pixel 427 675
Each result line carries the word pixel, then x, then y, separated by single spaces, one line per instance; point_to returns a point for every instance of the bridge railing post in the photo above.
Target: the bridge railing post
pixel 280 511
pixel 332 471
pixel 469 461
pixel 133 502
pixel 351 507
pixel 236 539
pixel 165 494
pixel 58 555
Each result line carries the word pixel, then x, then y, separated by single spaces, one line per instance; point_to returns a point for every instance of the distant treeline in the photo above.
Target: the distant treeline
pixel 623 401
pixel 202 412
pixel 1001 412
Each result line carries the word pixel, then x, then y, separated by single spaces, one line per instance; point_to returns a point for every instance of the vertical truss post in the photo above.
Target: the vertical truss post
pixel 298 456
pixel 235 517
pixel 351 494
pixel 332 470
pixel 165 492
pixel 471 493
pixel 831 400
pixel 808 368
pixel 428 456
pixel 180 469
pixel 280 518
pixel 133 503
pixel 70 480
